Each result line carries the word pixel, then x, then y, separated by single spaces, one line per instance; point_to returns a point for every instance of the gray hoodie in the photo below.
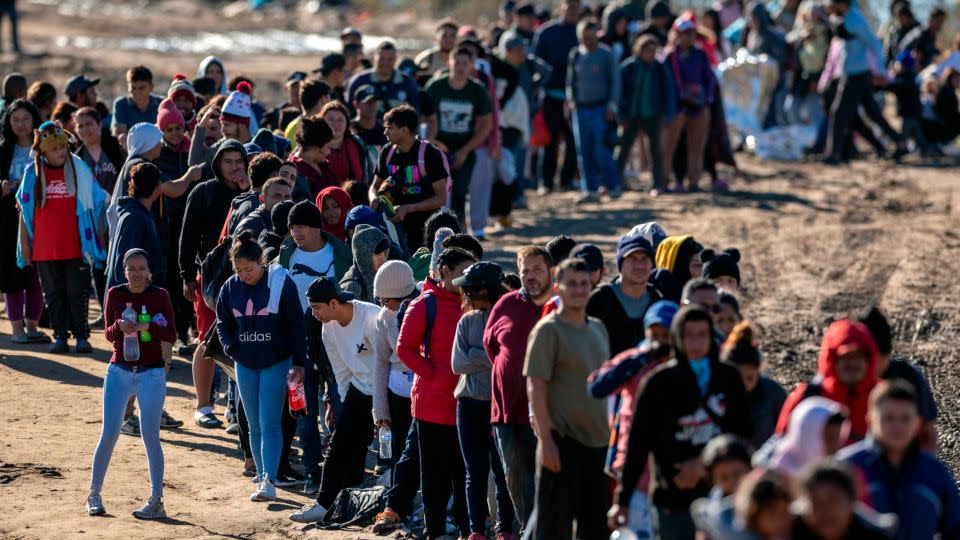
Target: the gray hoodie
pixel 359 278
pixel 469 359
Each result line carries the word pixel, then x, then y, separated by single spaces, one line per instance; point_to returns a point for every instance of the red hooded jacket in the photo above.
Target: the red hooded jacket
pixel 432 396
pixel 343 200
pixel 842 337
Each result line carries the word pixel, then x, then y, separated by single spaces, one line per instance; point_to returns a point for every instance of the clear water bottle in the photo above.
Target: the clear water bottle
pixel 131 342
pixel 386 442
pixel 422 131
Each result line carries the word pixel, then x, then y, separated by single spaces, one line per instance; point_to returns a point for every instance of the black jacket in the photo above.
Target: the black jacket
pixel 625 333
pixel 673 423
pixel 207 208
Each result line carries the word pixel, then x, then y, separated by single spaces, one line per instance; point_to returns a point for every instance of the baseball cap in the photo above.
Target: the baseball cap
pixel 79 84
pixel 295 77
pixel 331 62
pixel 527 9
pixel 684 25
pixel 590 254
pixel 324 289
pixel 365 93
pixel 662 313
pixel 480 274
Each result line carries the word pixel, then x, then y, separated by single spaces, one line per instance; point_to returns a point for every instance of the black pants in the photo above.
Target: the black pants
pixel 461 187
pixel 406 473
pixel 442 474
pixel 400 420
pixel 100 284
pixel 287 423
pixel 559 130
pixel 652 128
pixel 347 452
pixel 182 308
pixel 580 491
pixel 66 293
pixel 854 91
pixel 480 457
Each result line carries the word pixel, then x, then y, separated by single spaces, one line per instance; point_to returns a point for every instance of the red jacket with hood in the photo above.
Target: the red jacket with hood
pixel 343 201
pixel 432 396
pixel 842 337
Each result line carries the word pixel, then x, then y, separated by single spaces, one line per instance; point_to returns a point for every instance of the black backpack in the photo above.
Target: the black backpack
pixel 215 270
pixel 354 507
pixel 430 302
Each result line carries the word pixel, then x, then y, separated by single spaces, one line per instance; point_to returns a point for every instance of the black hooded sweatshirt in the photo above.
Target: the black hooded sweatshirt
pixel 671 424
pixel 207 207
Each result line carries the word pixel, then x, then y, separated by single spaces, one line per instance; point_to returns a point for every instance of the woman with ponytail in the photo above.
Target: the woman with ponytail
pixel 62 233
pixel 765 396
pixel 260 325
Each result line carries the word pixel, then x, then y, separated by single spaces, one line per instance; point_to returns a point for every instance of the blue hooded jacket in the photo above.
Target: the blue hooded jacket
pixel 135 229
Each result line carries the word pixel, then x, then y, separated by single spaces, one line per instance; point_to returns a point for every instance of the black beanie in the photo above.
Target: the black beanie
pixel 305 213
pixel 279 215
pixel 721 264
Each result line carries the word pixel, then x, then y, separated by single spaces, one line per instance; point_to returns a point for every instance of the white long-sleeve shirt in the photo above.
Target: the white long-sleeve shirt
pixel 352 349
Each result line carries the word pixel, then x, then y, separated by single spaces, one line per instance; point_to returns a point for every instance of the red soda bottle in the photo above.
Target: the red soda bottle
pixel 296 397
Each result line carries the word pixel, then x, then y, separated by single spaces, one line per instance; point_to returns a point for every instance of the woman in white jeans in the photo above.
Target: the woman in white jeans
pixel 143 377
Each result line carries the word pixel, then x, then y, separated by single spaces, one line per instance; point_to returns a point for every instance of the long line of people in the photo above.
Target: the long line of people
pixel 336 242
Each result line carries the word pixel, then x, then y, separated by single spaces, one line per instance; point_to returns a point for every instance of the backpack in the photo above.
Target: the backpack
pixel 354 507
pixel 215 270
pixel 431 305
pixel 421 156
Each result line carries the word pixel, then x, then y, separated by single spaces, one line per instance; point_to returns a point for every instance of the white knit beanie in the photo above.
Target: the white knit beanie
pixel 394 280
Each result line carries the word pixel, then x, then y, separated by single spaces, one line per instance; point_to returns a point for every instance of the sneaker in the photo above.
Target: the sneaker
pixel 59 347
pixel 588 197
pixel 233 428
pixel 38 337
pixel 20 339
pixel 543 191
pixel 83 347
pixel 265 491
pixel 387 521
pixel 169 422
pixel 131 426
pixel 206 419
pixel 285 480
pixel 251 473
pixel 309 514
pixel 94 505
pixel 312 485
pixel 152 510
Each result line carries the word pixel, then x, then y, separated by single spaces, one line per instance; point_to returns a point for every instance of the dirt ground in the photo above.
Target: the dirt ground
pixel 817 244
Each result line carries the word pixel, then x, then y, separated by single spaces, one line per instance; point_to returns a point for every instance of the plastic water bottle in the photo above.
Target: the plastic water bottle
pixel 144 318
pixel 422 131
pixel 623 533
pixel 296 397
pixel 131 345
pixel 386 442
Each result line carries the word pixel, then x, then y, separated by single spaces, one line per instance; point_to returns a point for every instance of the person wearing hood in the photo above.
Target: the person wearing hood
pixel 206 211
pixel 263 166
pixel 139 106
pixel 334 204
pixel 236 122
pixel 657 23
pixel 275 191
pixel 62 233
pixel 902 478
pixel 846 373
pixel 818 429
pixel 620 377
pixel 680 255
pixel 622 303
pixel 695 397
pixel 370 248
pixel 212 68
pixel 433 403
pixel 765 396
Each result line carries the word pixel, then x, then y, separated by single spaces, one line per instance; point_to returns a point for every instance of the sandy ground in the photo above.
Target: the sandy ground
pixel 817 244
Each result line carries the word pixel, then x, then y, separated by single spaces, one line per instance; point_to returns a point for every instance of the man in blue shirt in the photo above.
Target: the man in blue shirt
pixel 552 43
pixel 393 87
pixel 139 106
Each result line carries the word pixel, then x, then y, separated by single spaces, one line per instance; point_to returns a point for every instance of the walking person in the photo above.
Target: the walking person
pixel 260 324
pixel 62 232
pixel 23 296
pixel 143 377
pixel 482 285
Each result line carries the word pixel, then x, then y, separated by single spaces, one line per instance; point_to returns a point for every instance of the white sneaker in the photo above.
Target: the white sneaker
pixel 309 514
pixel 152 510
pixel 94 505
pixel 265 491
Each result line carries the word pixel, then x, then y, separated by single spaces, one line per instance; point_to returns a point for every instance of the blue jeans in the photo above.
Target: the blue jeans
pixel 262 391
pixel 594 157
pixel 517 446
pixel 479 456
pixel 150 387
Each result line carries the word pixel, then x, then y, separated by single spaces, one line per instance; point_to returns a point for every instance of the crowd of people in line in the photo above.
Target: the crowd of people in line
pixel 326 258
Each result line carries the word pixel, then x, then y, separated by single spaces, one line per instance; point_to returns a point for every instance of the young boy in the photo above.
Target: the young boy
pixel 139 106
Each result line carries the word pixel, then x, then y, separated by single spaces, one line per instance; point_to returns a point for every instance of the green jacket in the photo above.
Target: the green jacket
pixel 342 258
